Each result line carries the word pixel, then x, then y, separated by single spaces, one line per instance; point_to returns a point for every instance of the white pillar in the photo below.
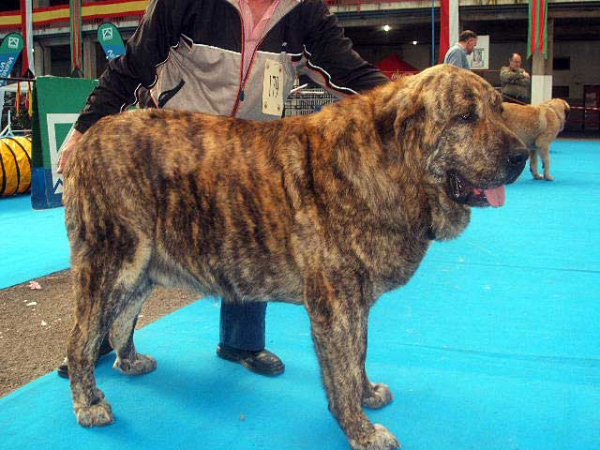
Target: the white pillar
pixel 38 57
pixel 47 60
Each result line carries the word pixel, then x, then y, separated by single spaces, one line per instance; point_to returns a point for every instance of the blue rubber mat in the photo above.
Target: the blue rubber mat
pixel 32 243
pixel 494 344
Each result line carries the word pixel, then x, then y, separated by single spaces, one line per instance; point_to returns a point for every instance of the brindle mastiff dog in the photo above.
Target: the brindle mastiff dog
pixel 329 210
pixel 537 126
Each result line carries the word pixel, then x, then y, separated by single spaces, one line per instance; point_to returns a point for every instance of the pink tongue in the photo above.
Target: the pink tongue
pixel 496 197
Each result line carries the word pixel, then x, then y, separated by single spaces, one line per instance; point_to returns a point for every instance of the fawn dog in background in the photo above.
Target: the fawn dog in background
pixel 537 126
pixel 329 210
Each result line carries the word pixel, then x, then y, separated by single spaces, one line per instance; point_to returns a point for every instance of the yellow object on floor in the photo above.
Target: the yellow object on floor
pixel 15 165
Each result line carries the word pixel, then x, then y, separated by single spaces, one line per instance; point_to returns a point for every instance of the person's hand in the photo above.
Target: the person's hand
pixel 65 153
pixel 526 75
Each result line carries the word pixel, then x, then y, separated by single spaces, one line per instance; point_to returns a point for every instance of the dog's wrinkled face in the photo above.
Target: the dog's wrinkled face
pixel 469 152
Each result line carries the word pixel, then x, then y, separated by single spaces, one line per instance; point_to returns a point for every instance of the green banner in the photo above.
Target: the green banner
pixel 537 35
pixel 111 41
pixel 11 48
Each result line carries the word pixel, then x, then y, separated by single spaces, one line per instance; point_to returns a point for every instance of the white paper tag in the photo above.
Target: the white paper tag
pixel 272 103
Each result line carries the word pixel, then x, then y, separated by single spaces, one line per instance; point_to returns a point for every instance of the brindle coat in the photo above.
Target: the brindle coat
pixel 329 210
pixel 537 126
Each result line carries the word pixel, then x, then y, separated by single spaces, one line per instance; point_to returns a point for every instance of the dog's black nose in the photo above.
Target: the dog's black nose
pixel 517 159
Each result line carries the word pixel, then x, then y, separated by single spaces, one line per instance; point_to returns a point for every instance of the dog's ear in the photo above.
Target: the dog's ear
pixel 393 109
pixel 560 107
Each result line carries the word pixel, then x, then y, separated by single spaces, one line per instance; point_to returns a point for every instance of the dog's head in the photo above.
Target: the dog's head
pixel 562 110
pixel 465 148
pixel 449 121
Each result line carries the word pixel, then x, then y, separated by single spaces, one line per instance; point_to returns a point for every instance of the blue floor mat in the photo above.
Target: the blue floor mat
pixel 32 243
pixel 494 344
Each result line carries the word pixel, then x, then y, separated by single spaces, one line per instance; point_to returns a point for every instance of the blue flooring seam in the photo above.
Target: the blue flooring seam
pixel 510 266
pixel 581 362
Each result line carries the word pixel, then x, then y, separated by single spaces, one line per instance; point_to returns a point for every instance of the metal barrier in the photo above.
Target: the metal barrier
pixel 307 101
pixel 358 3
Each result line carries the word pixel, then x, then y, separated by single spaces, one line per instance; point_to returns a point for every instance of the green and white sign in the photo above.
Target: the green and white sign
pixel 111 41
pixel 54 117
pixel 10 50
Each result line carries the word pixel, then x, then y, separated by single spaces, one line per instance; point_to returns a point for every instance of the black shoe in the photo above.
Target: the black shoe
pixel 262 362
pixel 63 369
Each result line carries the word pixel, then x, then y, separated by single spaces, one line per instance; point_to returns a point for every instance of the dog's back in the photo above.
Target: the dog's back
pixel 531 122
pixel 526 121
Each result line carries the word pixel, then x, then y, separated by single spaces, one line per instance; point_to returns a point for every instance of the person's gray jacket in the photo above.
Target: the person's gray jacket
pixel 514 83
pixel 457 56
pixel 189 52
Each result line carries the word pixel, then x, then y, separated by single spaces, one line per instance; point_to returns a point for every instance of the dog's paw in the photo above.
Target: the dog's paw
pixel 380 439
pixel 537 176
pixel 140 365
pixel 548 177
pixel 96 415
pixel 378 396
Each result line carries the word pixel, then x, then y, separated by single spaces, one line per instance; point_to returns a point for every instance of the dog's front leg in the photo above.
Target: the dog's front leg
pixel 375 395
pixel 338 314
pixel 545 155
pixel 533 164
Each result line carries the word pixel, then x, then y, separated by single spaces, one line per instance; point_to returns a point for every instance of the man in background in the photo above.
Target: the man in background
pixel 457 54
pixel 515 81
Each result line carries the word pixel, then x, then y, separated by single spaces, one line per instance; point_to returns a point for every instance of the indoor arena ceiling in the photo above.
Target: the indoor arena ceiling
pixel 409 26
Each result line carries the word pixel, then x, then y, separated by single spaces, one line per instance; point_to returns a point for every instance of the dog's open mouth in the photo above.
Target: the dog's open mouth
pixel 462 191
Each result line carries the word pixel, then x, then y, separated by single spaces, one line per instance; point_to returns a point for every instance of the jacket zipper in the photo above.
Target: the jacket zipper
pixel 237 99
pixel 244 79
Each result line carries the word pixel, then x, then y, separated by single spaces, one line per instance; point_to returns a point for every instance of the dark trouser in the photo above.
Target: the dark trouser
pixel 105 347
pixel 243 325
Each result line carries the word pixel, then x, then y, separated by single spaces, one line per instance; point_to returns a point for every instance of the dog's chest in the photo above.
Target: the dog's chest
pixel 390 257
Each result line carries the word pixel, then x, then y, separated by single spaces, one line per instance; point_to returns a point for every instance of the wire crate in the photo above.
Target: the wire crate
pixel 307 101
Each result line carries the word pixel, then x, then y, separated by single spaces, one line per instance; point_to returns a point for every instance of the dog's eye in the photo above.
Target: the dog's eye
pixel 467 117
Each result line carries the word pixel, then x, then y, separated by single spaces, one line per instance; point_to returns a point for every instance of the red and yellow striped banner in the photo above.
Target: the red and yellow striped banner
pixel 90 11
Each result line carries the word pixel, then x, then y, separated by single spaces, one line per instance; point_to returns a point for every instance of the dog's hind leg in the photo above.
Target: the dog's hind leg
pixel 338 314
pixel 91 324
pixel 106 279
pixel 533 164
pixel 129 361
pixel 90 407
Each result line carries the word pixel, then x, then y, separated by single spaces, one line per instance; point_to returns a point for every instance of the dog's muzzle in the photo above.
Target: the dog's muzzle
pixel 516 163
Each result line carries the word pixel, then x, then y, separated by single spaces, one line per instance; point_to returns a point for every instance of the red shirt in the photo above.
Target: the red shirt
pixel 254 26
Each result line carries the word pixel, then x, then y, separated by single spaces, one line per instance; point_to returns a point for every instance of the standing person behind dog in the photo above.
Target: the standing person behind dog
pixel 214 56
pixel 515 81
pixel 457 54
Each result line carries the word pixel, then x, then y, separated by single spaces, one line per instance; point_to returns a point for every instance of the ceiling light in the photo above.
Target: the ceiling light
pixel 386 28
